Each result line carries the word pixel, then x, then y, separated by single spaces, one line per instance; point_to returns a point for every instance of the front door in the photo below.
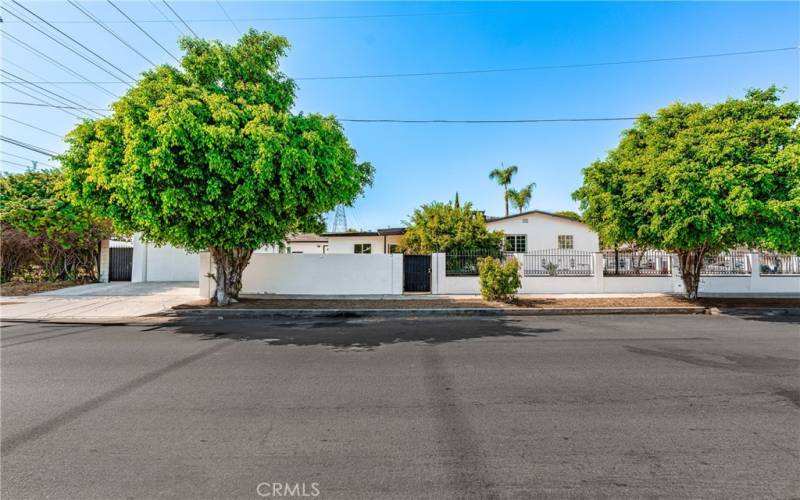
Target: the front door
pixel 416 273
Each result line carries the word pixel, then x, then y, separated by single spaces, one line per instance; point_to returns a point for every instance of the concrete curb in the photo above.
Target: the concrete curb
pixel 442 312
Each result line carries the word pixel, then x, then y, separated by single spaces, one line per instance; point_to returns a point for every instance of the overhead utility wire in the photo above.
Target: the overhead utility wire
pixel 522 120
pixel 69 70
pixel 21 103
pixel 56 97
pixel 546 67
pixel 27 159
pixel 225 12
pixel 180 18
pixel 45 103
pixel 528 68
pixel 143 31
pixel 293 18
pixel 25 145
pixel 14 164
pixel 34 75
pixel 48 35
pixel 4 117
pixel 393 120
pixel 170 21
pixel 110 31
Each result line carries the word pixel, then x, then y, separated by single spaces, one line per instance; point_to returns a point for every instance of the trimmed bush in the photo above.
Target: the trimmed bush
pixel 499 280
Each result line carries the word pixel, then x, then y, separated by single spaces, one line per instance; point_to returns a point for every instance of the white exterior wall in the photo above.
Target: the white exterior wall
pixel 542 231
pixel 165 263
pixel 344 244
pixel 316 274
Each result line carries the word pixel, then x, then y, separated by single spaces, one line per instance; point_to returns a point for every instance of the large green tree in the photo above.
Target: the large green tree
pixel 42 228
pixel 209 156
pixel 696 179
pixel 445 227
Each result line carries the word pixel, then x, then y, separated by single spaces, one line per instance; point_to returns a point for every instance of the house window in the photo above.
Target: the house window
pixel 517 243
pixel 362 248
pixel 394 249
pixel 565 241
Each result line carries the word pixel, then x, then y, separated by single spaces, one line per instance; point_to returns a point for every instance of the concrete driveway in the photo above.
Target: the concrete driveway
pixel 106 301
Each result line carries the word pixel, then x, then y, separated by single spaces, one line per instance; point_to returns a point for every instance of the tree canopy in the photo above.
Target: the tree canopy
pixel 209 156
pixel 42 228
pixel 695 179
pixel 445 227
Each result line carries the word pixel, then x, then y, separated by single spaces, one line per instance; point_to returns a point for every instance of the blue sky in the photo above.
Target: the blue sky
pixel 419 163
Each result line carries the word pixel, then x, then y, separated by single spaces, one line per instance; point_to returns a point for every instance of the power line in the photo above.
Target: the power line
pixel 56 97
pixel 521 120
pixel 112 32
pixel 37 162
pixel 292 18
pixel 21 103
pixel 547 67
pixel 225 12
pixel 180 18
pixel 45 103
pixel 507 70
pixel 29 125
pixel 22 68
pixel 170 21
pixel 143 31
pixel 396 120
pixel 48 35
pixel 69 70
pixel 30 147
pixel 15 164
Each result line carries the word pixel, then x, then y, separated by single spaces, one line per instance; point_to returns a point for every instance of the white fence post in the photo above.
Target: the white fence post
pixel 755 272
pixel 206 284
pixel 102 273
pixel 598 274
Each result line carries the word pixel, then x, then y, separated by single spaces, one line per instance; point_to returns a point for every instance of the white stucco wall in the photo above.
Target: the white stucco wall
pixel 344 244
pixel 317 274
pixel 542 231
pixel 165 263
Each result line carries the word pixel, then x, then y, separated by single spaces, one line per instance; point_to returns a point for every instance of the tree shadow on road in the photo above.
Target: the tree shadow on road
pixel 356 333
pixel 770 315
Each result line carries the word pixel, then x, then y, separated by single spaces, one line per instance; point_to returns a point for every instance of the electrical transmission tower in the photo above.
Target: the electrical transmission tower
pixel 339 220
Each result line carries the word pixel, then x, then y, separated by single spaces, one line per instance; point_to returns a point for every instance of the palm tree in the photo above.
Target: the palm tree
pixel 522 198
pixel 503 177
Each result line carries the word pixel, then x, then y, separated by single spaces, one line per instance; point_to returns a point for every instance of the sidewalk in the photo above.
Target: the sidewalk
pixel 99 301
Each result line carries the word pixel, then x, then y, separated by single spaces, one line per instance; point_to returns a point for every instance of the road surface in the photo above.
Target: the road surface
pixel 592 406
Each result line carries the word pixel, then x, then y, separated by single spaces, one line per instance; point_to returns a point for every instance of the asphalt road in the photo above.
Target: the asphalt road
pixel 618 406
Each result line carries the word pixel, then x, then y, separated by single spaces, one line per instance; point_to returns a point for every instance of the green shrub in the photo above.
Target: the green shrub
pixel 499 280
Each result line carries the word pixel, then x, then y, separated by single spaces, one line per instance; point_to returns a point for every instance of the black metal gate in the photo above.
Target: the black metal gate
pixel 416 273
pixel 120 264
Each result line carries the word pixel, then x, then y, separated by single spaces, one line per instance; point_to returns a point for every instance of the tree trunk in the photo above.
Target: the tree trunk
pixel 691 262
pixel 505 196
pixel 230 263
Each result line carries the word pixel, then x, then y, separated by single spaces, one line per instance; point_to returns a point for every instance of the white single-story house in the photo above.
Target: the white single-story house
pixel 524 232
pixel 380 241
pixel 300 243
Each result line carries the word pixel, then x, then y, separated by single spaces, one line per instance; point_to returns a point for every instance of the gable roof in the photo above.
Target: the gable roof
pixel 490 219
